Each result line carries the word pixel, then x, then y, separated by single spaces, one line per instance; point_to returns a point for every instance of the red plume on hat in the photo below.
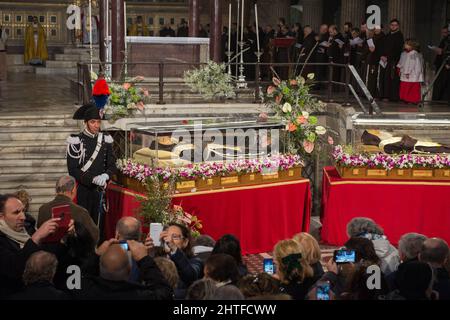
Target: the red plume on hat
pixel 100 93
pixel 101 88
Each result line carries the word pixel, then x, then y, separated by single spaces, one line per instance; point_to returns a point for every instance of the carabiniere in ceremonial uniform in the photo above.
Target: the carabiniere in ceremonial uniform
pixel 90 160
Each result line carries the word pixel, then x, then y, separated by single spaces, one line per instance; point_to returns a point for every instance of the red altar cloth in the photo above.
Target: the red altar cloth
pixel 397 206
pixel 259 216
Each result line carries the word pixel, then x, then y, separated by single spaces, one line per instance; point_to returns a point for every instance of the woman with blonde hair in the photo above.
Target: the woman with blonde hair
pixel 312 252
pixel 292 269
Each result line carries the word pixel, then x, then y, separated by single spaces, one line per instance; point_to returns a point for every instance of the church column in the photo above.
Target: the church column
pixel 352 11
pixel 312 13
pixel 216 31
pixel 117 36
pixel 282 9
pixel 104 6
pixel 194 18
pixel 405 12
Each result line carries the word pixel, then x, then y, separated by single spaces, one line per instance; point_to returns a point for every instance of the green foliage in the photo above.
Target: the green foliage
pixel 211 81
pixel 156 207
pixel 125 99
pixel 292 102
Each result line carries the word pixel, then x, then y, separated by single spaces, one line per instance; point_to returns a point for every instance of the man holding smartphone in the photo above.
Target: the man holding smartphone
pixel 91 161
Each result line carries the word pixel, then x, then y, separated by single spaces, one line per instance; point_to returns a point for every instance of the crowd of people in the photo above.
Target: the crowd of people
pixel 130 266
pixel 391 67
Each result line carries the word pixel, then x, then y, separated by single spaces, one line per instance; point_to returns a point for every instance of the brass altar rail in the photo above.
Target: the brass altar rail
pixel 351 78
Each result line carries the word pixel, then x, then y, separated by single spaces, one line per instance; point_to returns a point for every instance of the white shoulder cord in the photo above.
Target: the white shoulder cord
pixel 76 153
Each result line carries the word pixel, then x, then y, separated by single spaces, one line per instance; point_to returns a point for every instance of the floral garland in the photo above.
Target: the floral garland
pixel 209 169
pixel 292 101
pixel 388 162
pixel 126 98
pixel 211 81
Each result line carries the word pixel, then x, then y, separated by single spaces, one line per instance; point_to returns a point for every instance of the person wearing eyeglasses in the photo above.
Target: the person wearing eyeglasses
pixel 389 77
pixel 176 240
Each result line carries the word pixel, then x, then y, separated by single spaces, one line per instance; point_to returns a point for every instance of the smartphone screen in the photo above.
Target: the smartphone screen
pixel 344 256
pixel 124 245
pixel 322 292
pixel 269 267
pixel 155 233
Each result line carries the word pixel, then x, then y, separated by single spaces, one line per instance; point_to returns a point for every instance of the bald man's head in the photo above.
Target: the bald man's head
pixel 434 251
pixel 65 184
pixel 114 264
pixel 128 228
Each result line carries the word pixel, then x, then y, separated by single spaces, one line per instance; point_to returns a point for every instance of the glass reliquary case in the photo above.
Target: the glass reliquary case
pixel 214 153
pixel 177 143
pixel 401 146
pixel 401 134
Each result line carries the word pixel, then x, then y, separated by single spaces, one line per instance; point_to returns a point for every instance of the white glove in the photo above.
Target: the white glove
pixel 101 180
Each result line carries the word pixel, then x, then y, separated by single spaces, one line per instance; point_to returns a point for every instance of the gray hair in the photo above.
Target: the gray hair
pixel 228 292
pixel 202 289
pixel 65 184
pixel 434 250
pixel 40 266
pixel 129 228
pixel 358 226
pixel 410 244
pixel 204 240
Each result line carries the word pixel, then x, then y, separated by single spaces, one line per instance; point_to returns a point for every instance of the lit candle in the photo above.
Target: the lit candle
pixel 229 29
pixel 90 35
pixel 257 28
pixel 242 21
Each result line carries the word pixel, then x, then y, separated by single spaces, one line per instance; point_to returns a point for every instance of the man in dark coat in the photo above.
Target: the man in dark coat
pixel 113 284
pixel 393 48
pixel 307 54
pixel 16 245
pixel 440 91
pixel 335 52
pixel 66 191
pixel 38 278
pixel 321 54
pixel 435 252
pixel 90 160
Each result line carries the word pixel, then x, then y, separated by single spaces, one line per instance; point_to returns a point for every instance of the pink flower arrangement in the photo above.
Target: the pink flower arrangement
pixel 389 162
pixel 209 169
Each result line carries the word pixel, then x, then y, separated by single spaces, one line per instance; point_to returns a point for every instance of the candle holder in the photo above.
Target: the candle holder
pixel 241 83
pixel 229 54
pixel 259 55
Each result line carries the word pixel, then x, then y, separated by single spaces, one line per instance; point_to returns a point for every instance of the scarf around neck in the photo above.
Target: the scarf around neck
pixel 19 237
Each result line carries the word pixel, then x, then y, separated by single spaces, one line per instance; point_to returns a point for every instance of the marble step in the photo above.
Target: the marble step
pixel 31 148
pixel 60 64
pixel 38 130
pixel 20 69
pixel 37 137
pixel 75 57
pixel 28 178
pixel 95 51
pixel 14 59
pixel 53 122
pixel 34 155
pixel 37 163
pixel 56 71
pixel 39 117
pixel 28 185
pixel 57 166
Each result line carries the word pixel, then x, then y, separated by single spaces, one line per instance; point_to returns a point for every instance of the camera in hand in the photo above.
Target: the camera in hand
pixel 344 256
pixel 322 290
pixel 269 267
pixel 124 245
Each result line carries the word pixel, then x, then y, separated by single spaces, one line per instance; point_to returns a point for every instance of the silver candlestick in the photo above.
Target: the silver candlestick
pixel 241 83
pixel 229 54
pixel 258 55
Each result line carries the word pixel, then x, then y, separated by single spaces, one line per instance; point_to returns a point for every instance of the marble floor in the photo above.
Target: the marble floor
pixel 33 94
